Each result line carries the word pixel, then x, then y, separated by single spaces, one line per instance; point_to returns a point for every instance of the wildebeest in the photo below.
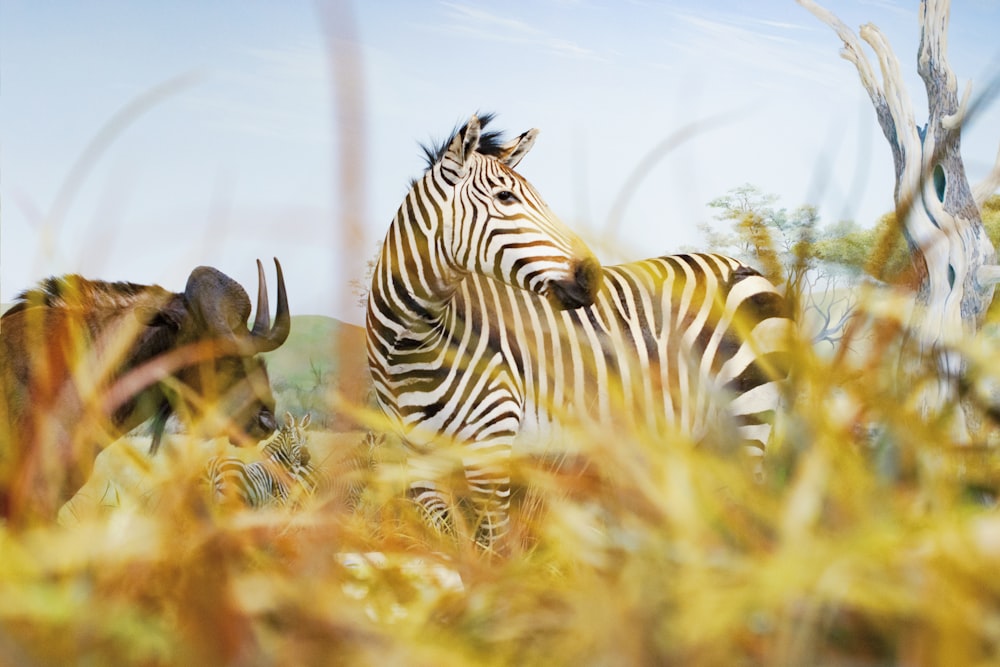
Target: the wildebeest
pixel 86 361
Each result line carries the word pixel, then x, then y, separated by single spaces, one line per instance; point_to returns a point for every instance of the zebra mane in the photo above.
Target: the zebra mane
pixel 75 291
pixel 490 143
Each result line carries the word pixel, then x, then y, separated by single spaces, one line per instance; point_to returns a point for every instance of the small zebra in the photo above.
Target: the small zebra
pixel 490 323
pixel 285 473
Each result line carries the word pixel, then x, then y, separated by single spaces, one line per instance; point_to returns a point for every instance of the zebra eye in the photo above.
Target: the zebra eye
pixel 506 197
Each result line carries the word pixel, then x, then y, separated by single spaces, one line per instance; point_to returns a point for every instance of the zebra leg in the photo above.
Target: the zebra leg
pixel 426 491
pixel 754 412
pixel 487 473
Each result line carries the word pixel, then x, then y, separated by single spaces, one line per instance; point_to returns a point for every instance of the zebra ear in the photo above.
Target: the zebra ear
pixel 305 420
pixel 465 143
pixel 512 151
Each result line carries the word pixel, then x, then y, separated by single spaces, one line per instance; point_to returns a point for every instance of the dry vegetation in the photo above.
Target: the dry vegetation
pixel 874 541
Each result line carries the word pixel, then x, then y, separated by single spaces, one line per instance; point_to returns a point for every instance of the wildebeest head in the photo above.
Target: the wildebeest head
pixel 82 362
pixel 229 392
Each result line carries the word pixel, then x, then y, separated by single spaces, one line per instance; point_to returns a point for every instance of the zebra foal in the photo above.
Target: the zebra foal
pixel 285 473
pixel 490 324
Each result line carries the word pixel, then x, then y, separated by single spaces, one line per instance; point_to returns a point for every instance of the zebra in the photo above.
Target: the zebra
pixel 489 323
pixel 286 473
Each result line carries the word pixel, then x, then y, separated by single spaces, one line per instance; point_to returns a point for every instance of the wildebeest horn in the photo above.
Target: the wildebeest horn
pixel 265 338
pixel 223 307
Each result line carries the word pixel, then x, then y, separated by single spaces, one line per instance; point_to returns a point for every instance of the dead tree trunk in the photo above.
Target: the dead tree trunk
pixel 939 211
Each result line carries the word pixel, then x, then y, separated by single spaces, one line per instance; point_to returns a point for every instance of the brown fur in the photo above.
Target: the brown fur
pixel 66 342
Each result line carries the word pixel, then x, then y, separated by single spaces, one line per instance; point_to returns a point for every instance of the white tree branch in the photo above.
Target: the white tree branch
pixel 852 52
pixel 986 187
pixel 988 274
pixel 896 97
pixel 954 121
pixel 932 63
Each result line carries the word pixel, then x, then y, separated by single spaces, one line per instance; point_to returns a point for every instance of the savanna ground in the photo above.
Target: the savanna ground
pixel 873 541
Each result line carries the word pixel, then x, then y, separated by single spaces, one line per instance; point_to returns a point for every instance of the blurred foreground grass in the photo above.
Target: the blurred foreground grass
pixel 874 541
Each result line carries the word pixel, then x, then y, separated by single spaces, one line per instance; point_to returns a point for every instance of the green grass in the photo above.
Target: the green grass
pixel 308 371
pixel 310 349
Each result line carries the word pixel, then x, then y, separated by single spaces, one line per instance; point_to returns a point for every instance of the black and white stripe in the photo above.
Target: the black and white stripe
pixel 285 473
pixel 490 323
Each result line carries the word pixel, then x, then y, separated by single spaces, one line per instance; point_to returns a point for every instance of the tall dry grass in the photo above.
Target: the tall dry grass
pixel 874 540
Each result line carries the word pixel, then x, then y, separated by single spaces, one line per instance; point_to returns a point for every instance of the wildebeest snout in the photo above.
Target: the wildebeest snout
pixel 266 422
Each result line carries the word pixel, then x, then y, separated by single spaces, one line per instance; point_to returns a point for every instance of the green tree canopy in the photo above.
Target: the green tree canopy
pixel 760 232
pixel 881 251
pixel 779 241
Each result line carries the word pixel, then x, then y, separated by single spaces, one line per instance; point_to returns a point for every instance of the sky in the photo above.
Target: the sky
pixel 139 140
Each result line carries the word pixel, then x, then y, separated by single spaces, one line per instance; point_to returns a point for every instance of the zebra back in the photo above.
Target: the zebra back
pixel 235 482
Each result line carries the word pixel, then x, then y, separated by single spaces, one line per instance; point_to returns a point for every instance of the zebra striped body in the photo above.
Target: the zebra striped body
pixel 285 473
pixel 666 339
pixel 490 324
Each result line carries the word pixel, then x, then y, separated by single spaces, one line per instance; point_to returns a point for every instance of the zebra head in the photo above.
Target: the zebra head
pixel 288 445
pixel 493 222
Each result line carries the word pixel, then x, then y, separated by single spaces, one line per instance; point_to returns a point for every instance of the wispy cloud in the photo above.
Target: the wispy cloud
pixel 275 93
pixel 484 25
pixel 781 25
pixel 892 6
pixel 483 20
pixel 772 46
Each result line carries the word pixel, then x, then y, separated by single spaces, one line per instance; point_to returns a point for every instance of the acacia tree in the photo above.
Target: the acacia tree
pixel 752 214
pixel 953 258
pixel 783 245
pixel 761 233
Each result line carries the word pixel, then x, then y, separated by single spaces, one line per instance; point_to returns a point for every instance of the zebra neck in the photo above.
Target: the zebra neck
pixel 411 292
pixel 402 314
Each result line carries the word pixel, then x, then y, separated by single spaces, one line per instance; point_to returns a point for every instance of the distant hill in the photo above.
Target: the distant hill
pixel 309 365
pixel 310 348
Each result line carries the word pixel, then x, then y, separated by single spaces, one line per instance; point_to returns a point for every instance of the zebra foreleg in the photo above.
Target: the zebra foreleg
pixel 433 503
pixel 434 507
pixel 489 486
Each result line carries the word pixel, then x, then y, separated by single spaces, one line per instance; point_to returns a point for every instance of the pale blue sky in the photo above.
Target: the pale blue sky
pixel 240 160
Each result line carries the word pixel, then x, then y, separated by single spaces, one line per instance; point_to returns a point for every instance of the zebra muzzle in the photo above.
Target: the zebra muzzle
pixel 581 289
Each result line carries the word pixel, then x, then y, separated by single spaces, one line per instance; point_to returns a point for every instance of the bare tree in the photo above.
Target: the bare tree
pixel 954 260
pixel 826 306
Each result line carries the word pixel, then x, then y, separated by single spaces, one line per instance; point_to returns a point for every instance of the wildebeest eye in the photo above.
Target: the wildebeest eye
pixel 506 197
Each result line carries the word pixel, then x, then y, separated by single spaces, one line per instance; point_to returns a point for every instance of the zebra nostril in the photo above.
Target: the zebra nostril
pixel 581 289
